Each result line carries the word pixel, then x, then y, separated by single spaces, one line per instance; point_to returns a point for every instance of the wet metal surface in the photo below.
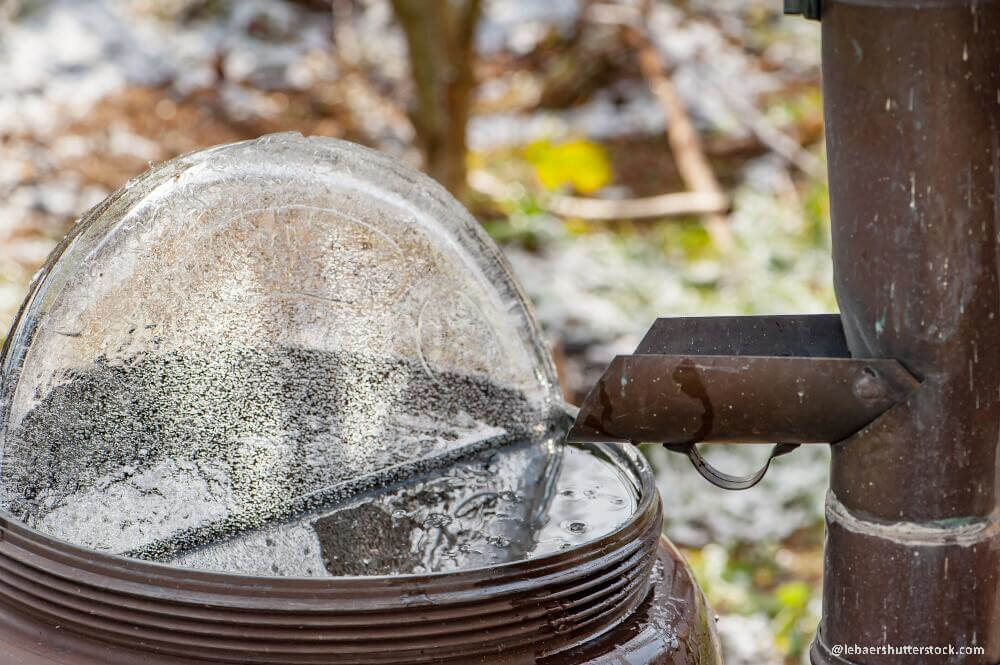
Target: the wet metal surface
pixel 808 336
pixel 909 390
pixel 729 394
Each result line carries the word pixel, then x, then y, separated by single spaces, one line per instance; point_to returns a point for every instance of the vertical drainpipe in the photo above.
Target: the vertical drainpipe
pixel 912 95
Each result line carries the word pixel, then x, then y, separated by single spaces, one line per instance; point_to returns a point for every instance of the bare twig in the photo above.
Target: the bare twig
pixel 610 13
pixel 675 204
pixel 775 139
pixel 685 143
pixel 765 132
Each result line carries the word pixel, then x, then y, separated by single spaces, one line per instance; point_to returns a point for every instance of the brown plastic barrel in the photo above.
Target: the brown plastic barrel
pixel 627 597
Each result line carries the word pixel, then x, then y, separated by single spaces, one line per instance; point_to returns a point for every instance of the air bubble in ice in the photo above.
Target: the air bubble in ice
pixel 436 520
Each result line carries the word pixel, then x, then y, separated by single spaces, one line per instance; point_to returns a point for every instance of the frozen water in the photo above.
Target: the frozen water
pixel 268 464
pixel 257 331
pixel 498 505
pixel 166 450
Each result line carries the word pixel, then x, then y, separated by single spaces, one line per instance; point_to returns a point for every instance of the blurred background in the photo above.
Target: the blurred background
pixel 634 160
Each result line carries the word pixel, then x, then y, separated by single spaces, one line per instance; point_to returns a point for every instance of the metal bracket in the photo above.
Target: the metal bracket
pixel 752 379
pixel 725 480
pixel 808 8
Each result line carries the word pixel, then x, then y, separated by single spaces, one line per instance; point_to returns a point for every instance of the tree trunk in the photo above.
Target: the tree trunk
pixel 441 39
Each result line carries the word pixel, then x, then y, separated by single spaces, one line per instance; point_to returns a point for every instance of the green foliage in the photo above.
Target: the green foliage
pixel 521 230
pixel 816 205
pixel 798 109
pixel 748 579
pixel 792 621
pixel 685 240
pixel 578 163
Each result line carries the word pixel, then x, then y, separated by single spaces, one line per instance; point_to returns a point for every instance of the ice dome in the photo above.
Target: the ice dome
pixel 253 330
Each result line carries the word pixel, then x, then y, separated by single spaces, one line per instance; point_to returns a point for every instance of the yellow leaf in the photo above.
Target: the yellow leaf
pixel 579 163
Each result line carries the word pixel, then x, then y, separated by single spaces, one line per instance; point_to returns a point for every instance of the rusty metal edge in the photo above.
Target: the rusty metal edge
pixel 805 335
pixel 679 399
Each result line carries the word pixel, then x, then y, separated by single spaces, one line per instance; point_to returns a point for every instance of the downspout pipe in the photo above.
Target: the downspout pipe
pixel 912 106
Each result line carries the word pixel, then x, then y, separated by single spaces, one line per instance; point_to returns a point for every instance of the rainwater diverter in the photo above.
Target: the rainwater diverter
pixel 282 402
pixel 788 379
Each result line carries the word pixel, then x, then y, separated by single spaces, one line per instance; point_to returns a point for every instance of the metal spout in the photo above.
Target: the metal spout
pixel 755 379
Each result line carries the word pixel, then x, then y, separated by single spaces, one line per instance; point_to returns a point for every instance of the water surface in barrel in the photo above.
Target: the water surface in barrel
pixel 303 462
pixel 520 501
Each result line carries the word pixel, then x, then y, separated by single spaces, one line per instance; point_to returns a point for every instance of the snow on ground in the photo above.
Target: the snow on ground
pixel 747 640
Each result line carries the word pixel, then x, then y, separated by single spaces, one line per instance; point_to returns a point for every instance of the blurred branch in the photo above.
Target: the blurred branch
pixel 593 59
pixel 770 136
pixel 685 143
pixel 677 204
pixel 775 139
pixel 9 10
pixel 440 35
